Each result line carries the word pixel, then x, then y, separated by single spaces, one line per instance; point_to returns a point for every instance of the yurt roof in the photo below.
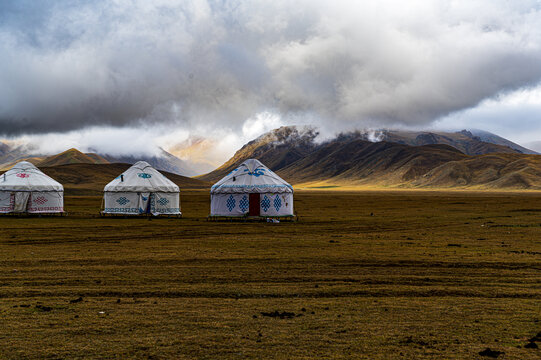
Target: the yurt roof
pixel 24 176
pixel 141 177
pixel 251 177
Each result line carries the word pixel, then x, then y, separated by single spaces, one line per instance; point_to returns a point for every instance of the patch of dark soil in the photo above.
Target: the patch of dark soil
pixel 456 245
pixel 516 225
pixel 531 345
pixel 410 340
pixel 278 314
pixel 536 338
pixel 525 252
pixel 44 308
pixel 528 210
pixel 75 301
pixel 491 353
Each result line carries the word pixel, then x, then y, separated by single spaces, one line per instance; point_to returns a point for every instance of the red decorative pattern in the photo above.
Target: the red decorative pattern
pixel 46 209
pixel 21 175
pixel 40 200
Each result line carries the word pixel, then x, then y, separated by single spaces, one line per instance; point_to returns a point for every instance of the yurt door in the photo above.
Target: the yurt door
pixel 254 205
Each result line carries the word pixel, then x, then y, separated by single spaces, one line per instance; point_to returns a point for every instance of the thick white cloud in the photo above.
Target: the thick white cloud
pixel 187 65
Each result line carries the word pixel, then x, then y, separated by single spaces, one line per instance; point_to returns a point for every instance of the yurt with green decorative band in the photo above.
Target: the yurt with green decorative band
pixel 25 189
pixel 251 190
pixel 141 190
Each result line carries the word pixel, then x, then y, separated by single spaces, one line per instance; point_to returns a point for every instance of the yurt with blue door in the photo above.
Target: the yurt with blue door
pixel 251 190
pixel 141 190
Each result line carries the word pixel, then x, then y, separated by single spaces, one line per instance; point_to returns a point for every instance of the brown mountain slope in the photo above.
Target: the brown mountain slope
pixel 365 163
pixel 383 164
pixel 87 179
pixel 72 156
pixel 276 149
pixel 492 171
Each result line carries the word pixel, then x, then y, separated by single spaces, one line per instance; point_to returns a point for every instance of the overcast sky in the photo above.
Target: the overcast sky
pixel 127 76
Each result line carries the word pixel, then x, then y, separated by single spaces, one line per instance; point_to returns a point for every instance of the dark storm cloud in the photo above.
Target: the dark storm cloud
pixel 67 65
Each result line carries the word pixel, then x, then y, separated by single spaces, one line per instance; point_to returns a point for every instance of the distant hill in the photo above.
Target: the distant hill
pixel 90 179
pixel 401 159
pixel 71 156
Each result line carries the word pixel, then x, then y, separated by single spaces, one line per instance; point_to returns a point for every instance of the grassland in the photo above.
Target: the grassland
pixel 367 275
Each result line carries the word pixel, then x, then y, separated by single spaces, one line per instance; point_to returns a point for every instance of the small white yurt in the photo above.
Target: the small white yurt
pixel 252 189
pixel 25 189
pixel 141 190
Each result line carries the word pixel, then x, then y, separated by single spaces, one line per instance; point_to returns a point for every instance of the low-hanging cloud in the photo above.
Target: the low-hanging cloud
pixel 68 65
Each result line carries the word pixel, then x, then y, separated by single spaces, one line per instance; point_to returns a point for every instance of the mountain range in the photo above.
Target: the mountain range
pixel 467 159
pixel 396 159
pixel 9 155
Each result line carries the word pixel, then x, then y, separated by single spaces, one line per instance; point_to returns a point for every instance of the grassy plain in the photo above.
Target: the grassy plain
pixel 365 275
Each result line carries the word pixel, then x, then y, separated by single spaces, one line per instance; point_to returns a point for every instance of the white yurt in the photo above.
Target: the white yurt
pixel 252 189
pixel 25 189
pixel 141 190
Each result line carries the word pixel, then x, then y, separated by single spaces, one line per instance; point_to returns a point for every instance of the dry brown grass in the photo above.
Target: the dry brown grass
pixel 428 276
